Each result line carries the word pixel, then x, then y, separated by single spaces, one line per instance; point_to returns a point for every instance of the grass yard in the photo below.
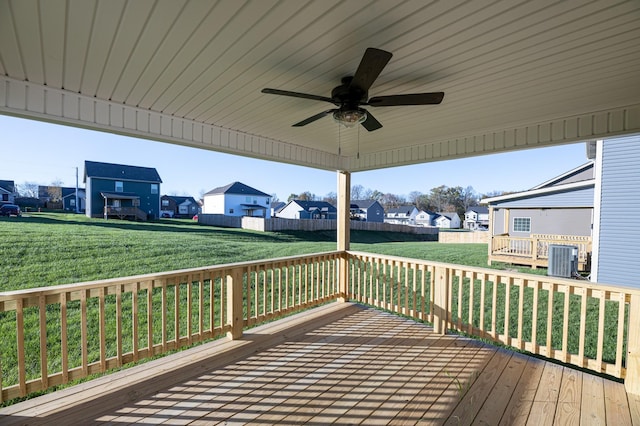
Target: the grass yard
pixel 43 249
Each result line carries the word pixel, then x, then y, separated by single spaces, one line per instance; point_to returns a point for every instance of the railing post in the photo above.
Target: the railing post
pixel 440 300
pixel 343 276
pixel 632 379
pixel 234 303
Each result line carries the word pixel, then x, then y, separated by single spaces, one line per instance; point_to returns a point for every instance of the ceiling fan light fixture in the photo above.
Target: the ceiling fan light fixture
pixel 350 117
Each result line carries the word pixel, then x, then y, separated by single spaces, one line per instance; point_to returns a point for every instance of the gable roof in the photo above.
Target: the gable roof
pixel 314 205
pixel 94 169
pixel 478 209
pixel 402 209
pixel 237 188
pixel 574 180
pixel 179 199
pixel 448 215
pixel 363 204
pixel 7 185
pixel 580 173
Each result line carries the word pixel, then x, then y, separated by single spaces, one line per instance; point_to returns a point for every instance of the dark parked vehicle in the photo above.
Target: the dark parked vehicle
pixel 10 210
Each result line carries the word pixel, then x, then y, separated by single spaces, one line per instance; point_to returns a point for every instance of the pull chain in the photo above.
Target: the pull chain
pixel 358 153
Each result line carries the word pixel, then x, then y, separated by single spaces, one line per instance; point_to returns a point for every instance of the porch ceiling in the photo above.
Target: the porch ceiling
pixel 517 74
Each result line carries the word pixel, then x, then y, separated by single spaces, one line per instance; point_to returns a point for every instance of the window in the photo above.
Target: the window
pixel 154 188
pixel 119 186
pixel 72 202
pixel 230 211
pixel 521 224
pixel 165 203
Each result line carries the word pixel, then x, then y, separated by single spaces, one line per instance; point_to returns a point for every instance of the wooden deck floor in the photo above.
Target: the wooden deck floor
pixel 343 364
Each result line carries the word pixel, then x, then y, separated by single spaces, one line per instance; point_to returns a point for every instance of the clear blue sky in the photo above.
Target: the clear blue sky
pixel 40 152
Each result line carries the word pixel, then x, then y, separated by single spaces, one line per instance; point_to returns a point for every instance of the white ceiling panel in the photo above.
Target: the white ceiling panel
pixel 516 74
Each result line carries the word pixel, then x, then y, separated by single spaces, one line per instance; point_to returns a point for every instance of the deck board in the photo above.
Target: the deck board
pixel 343 364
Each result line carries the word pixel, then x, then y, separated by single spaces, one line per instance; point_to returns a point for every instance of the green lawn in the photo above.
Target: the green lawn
pixel 43 249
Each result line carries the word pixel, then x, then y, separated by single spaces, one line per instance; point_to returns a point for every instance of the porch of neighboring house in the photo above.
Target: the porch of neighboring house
pixel 373 360
pixel 122 205
pixel 533 251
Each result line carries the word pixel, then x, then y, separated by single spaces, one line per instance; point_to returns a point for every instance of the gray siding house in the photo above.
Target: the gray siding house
pixel 121 191
pixel 563 205
pixel 523 225
pixel 178 206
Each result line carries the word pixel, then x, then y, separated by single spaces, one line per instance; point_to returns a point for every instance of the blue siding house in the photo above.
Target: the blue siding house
pixel 367 210
pixel 121 191
pixel 616 227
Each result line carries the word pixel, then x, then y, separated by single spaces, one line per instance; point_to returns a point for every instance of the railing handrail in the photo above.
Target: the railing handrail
pixel 89 285
pixel 508 307
pixel 512 274
pixel 116 321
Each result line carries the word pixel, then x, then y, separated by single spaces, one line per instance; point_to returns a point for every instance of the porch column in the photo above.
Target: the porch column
pixel 343 231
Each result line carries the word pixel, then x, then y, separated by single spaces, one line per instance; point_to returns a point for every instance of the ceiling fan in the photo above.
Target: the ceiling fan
pixel 354 92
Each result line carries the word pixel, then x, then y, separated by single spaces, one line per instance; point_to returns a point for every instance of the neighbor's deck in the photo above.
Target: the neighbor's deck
pixel 341 363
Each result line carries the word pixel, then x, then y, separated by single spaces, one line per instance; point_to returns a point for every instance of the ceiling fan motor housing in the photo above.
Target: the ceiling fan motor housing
pixel 347 96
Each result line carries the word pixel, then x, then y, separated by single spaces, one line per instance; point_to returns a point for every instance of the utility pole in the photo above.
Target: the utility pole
pixel 77 204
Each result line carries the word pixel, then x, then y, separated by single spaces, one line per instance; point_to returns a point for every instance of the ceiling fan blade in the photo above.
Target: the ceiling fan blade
pixel 371 123
pixel 296 95
pixel 313 118
pixel 371 65
pixel 410 99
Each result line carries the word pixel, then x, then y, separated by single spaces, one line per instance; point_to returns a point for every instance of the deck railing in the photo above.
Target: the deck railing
pixel 124 212
pixel 534 250
pixel 54 335
pixel 576 322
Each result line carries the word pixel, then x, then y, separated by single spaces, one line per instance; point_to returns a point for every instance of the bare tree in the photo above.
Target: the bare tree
pixel 27 189
pixel 357 192
pixel 414 197
pixel 469 198
pixel 331 198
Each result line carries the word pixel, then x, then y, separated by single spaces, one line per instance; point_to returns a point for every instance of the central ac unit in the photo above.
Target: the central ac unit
pixel 563 261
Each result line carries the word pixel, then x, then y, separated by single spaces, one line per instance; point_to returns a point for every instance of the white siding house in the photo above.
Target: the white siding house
pixel 301 209
pixel 237 199
pixel 7 192
pixel 405 215
pixel 476 218
pixel 447 220
pixel 425 218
